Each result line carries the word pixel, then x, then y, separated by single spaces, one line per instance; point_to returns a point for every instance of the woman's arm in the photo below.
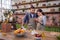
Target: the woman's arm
pixel 44 20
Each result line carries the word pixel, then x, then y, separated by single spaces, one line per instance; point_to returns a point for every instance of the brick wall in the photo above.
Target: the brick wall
pixel 52 19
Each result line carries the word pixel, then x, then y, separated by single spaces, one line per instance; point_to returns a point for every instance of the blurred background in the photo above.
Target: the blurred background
pixel 18 8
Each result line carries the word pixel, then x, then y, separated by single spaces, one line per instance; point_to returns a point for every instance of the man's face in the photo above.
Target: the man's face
pixel 32 10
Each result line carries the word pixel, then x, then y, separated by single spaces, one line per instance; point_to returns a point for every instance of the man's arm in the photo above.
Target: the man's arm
pixel 26 19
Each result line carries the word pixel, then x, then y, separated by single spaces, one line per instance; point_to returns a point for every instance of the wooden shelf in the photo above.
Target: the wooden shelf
pixel 5 9
pixel 52 12
pixel 43 12
pixel 53 6
pixel 31 2
pixel 20 14
pixel 39 7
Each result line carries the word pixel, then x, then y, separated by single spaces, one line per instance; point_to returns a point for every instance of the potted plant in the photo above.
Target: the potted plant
pixel 58 37
pixel 59 9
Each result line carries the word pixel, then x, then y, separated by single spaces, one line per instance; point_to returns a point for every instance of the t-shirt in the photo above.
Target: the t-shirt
pixel 42 20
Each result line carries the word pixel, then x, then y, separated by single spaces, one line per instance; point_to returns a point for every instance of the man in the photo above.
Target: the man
pixel 30 18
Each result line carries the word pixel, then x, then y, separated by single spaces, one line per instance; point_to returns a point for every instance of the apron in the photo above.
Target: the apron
pixel 32 23
pixel 39 25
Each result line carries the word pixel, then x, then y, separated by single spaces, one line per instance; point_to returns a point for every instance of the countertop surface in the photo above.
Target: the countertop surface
pixel 28 36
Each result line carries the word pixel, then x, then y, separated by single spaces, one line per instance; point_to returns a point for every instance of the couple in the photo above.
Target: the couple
pixel 36 20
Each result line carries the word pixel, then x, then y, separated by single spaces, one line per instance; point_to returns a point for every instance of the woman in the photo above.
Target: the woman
pixel 41 20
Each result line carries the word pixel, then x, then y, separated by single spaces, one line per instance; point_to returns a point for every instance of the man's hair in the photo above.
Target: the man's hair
pixel 32 7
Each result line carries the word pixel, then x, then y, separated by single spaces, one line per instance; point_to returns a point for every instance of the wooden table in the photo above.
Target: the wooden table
pixel 11 36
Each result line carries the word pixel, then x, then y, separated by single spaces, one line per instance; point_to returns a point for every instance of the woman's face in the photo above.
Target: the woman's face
pixel 39 13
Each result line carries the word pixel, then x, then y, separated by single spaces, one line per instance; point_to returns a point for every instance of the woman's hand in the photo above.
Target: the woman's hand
pixel 36 19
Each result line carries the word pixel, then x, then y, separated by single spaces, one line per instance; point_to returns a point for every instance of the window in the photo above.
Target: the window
pixel 0 1
pixel 5 4
pixel 0 5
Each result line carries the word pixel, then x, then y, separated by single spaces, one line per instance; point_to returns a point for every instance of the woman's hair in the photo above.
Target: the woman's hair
pixel 40 10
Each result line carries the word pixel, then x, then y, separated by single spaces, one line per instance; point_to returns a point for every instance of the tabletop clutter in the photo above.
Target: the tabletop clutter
pixel 22 31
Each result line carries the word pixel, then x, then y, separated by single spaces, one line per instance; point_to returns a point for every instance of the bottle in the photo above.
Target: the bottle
pixel 43 35
pixel 6 21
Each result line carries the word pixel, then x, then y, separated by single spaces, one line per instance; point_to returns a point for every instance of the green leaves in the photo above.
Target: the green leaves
pixel 58 37
pixel 52 28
